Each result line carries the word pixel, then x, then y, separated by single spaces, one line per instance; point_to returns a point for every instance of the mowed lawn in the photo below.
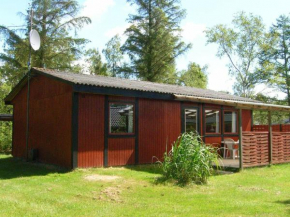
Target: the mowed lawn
pixel 34 190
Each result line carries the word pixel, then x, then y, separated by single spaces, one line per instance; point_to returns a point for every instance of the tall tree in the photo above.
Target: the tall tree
pixel 95 64
pixel 275 58
pixel 5 127
pixel 261 117
pixel 53 19
pixel 113 55
pixel 241 45
pixel 194 76
pixel 154 38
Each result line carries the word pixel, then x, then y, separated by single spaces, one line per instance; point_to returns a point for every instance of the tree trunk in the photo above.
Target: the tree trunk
pixel 149 63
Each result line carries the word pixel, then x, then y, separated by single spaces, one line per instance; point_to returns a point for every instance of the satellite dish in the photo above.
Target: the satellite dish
pixel 34 39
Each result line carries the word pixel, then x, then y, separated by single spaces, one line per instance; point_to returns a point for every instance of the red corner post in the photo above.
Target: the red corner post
pixel 270 137
pixel 240 139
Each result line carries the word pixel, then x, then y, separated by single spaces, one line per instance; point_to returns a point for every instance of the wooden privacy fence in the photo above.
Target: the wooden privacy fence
pixel 256 148
pixel 281 147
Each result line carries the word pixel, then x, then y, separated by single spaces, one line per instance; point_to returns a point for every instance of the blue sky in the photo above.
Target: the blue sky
pixel 109 18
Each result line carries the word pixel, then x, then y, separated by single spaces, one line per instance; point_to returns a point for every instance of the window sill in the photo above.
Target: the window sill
pixel 131 135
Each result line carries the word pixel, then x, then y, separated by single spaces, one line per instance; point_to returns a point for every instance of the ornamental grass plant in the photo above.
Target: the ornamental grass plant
pixel 189 160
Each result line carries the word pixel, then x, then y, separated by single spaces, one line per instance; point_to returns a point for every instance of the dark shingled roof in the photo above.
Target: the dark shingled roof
pixel 103 81
pixel 125 84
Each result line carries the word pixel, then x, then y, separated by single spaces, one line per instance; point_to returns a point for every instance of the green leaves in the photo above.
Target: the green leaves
pixel 194 76
pixel 114 55
pixel 275 58
pixel 189 160
pixel 241 44
pixel 96 66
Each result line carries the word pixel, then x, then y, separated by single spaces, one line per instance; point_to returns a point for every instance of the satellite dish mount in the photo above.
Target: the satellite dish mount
pixel 34 40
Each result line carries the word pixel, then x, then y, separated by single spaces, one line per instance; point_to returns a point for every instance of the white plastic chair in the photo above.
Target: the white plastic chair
pixel 229 145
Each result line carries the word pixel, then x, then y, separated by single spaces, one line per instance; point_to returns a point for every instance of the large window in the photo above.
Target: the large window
pixel 212 121
pixel 121 118
pixel 230 122
pixel 190 120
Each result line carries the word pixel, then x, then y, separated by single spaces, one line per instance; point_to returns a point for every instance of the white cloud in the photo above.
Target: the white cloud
pixel 96 8
pixel 192 31
pixel 218 78
pixel 118 30
pixel 129 9
pixel 271 92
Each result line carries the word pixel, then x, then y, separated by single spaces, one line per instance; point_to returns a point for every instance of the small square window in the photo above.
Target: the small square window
pixel 121 118
pixel 212 121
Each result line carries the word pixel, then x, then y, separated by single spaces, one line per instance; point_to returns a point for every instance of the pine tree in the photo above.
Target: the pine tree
pixel 275 58
pixel 154 39
pixel 54 20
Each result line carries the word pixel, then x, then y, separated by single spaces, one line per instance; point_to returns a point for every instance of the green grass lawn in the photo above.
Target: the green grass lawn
pixel 34 190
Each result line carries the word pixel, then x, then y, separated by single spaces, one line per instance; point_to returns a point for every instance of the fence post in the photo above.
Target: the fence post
pixel 270 137
pixel 240 139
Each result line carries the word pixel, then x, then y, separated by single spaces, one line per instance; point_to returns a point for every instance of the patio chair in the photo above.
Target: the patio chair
pixel 229 145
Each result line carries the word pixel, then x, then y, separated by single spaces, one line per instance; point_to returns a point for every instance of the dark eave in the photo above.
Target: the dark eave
pixel 6 117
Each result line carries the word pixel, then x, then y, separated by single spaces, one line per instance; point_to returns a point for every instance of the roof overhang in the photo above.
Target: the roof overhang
pixel 8 99
pixel 254 105
pixel 236 104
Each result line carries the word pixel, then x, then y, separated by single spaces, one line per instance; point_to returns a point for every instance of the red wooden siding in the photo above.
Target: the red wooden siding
pixel 91 130
pixel 285 128
pixel 260 128
pixel 159 124
pixel 246 120
pixel 19 127
pixel 50 121
pixel 121 151
pixel 275 127
pixel 236 138
pixel 210 140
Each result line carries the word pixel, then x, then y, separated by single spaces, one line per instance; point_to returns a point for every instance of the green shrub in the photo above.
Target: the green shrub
pixel 189 160
pixel 5 136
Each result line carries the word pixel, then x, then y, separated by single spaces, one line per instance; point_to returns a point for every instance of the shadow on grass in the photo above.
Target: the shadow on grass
pixel 162 180
pixel 153 169
pixel 285 202
pixel 147 168
pixel 11 168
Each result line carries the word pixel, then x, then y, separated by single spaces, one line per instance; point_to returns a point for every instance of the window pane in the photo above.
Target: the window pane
pixel 212 121
pixel 190 120
pixel 121 118
pixel 230 121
